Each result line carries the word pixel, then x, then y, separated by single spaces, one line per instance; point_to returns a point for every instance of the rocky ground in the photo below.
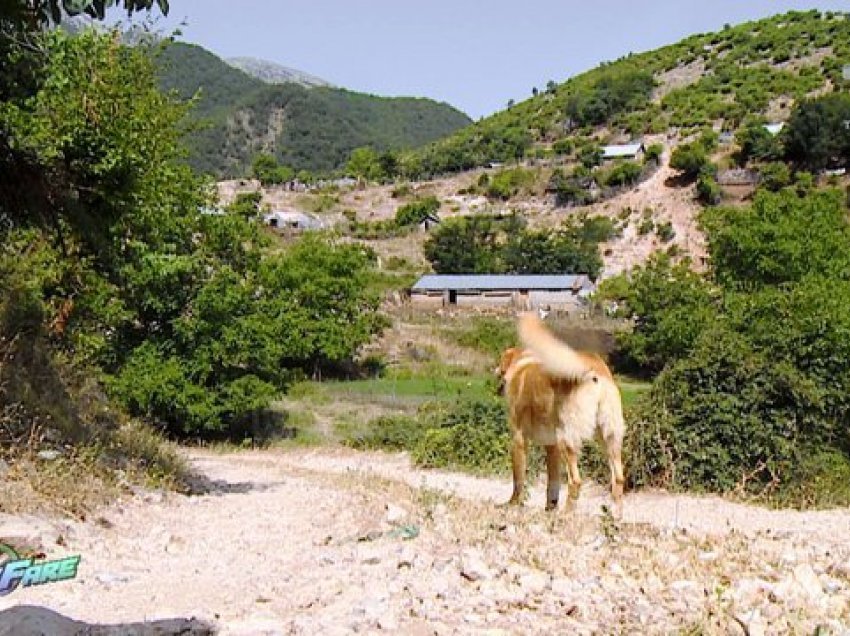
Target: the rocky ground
pixel 325 541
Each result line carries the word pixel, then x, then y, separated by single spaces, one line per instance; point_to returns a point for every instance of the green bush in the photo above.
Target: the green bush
pixel 471 435
pixel 689 159
pixel 508 183
pixel 490 335
pixel 563 146
pixel 417 211
pixel 665 232
pixel 774 176
pixel 622 174
pixel 742 405
pixel 708 190
pixel 389 432
pixel 653 153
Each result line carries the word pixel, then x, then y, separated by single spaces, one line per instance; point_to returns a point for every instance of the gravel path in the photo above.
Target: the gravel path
pixel 336 542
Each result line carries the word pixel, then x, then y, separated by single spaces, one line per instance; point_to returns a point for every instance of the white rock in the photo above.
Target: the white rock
pixel 388 622
pixel 562 587
pixel 395 514
pixel 808 581
pixel 684 586
pixel 754 622
pixel 111 578
pixel 749 592
pixel 473 567
pixel 534 582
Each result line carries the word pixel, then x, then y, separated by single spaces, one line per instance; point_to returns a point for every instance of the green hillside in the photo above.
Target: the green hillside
pixel 754 69
pixel 313 129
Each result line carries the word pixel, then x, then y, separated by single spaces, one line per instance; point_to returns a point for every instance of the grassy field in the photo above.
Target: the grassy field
pixel 411 391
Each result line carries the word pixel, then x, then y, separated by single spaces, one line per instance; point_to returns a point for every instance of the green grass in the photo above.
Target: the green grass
pixel 412 389
pixel 632 390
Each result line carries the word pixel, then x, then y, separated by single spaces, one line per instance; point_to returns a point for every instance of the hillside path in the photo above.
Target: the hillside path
pixel 333 541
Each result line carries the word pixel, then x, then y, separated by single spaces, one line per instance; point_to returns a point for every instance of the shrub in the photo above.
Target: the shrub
pixel 689 158
pixel 489 335
pixel 665 232
pixel 389 432
pixel 775 176
pixel 653 153
pixel 708 190
pixel 417 211
pixel 508 183
pixel 471 435
pixel 623 173
pixel 563 146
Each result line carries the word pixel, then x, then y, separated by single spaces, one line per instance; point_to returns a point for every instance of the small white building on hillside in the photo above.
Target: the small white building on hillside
pixel 623 151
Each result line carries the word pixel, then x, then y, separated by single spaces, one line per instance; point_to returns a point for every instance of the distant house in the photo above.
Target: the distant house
pixel 429 221
pixel 623 151
pixel 567 291
pixel 726 137
pixel 287 219
pixel 775 129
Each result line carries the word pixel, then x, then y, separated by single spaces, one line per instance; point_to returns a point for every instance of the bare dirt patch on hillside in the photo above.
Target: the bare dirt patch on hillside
pixel 338 542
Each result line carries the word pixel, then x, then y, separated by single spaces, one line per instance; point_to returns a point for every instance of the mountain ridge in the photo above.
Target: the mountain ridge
pixel 274 72
pixel 238 116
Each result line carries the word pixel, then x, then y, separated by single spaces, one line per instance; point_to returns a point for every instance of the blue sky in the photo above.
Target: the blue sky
pixel 473 54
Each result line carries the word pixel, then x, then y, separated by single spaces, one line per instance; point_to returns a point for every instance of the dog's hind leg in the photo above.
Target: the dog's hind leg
pixel 553 474
pixel 518 459
pixel 571 456
pixel 614 446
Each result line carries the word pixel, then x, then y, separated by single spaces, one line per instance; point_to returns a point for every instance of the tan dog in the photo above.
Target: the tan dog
pixel 558 398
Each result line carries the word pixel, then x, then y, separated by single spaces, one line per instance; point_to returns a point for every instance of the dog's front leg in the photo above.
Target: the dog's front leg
pixel 553 474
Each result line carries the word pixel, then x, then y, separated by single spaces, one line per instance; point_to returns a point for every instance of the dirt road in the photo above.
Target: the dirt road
pixel 337 542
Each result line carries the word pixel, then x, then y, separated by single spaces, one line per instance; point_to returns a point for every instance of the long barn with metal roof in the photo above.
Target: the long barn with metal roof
pixel 524 291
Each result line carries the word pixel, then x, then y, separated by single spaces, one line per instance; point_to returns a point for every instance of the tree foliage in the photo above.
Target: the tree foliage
pixel 479 244
pixel 818 132
pixel 188 318
pixel 753 393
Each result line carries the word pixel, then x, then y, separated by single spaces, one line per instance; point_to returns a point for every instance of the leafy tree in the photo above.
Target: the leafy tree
pixel 758 144
pixel 266 168
pixel 364 164
pixel 590 156
pixel 464 245
pixel 653 153
pixel 545 252
pixel 744 405
pixel 614 92
pixel 31 14
pixel 623 173
pixel 818 133
pixel 689 159
pixel 417 211
pixel 672 305
pixel 192 324
pixel 780 238
pixel 478 245
pixel 775 176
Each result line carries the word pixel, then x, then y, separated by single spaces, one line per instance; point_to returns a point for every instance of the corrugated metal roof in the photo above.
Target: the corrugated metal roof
pixel 493 282
pixel 775 129
pixel 623 150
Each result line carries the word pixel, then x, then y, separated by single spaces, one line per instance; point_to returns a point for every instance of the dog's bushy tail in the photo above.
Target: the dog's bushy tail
pixel 557 357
